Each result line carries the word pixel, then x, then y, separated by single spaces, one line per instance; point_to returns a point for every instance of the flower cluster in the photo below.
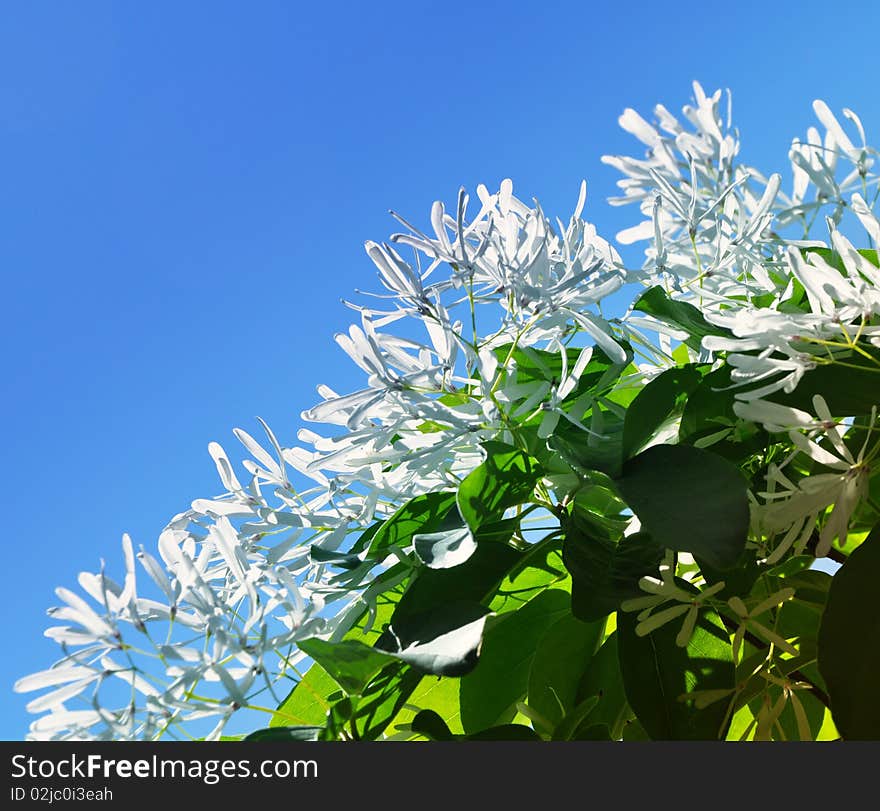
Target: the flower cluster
pixel 242 577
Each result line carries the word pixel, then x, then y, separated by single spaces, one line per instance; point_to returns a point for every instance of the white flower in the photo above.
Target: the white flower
pixel 748 621
pixel 791 503
pixel 709 217
pixel 688 603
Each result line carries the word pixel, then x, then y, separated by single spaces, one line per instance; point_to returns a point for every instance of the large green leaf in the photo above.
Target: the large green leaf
pixel 849 643
pixel 445 643
pixel 600 508
pixel 454 541
pixel 341 560
pixel 539 569
pixel 660 677
pixel 660 398
pixel 366 538
pixel 307 703
pixel 586 452
pixel 603 681
pixel 709 406
pixel 351 664
pixel 429 593
pixel 505 479
pixel 561 657
pixel 655 301
pixel 475 580
pixel 605 571
pixel 498 531
pixel 489 694
pixel 689 499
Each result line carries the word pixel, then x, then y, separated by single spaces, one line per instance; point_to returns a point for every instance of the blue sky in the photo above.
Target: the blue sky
pixel 186 190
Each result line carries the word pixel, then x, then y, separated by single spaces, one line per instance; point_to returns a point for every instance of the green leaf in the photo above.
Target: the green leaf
pixel 792 565
pixel 365 716
pixel 454 542
pixel 657 303
pixel 601 510
pixel 832 257
pixel 431 427
pixel 338 717
pixel 681 355
pixel 432 726
pixel 660 677
pixel 340 559
pixel 634 731
pixel 849 643
pixel 561 657
pixel 475 580
pixel 446 548
pixel 505 479
pixel 849 390
pixel 454 399
pixel 350 663
pixel 383 700
pixel 366 538
pixel 689 499
pixel 423 514
pixel 501 678
pixel 603 680
pixel 436 693
pixel 709 406
pixel 660 398
pixel 445 643
pixel 585 452
pixel 575 719
pixel 498 531
pixel 307 703
pixel 538 570
pixel 811 587
pixel 303 733
pixel 605 572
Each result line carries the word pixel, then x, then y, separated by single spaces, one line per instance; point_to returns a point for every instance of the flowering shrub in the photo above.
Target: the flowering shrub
pixel 537 520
